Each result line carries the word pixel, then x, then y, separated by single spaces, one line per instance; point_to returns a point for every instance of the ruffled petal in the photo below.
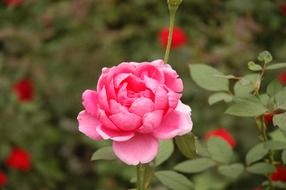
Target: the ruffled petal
pixel 89 101
pixel 141 106
pixel 176 122
pixel 151 121
pixel 139 149
pixel 88 125
pixel 126 121
pixel 106 133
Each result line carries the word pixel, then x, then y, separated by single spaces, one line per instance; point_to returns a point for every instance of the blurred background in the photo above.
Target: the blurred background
pixel 52 50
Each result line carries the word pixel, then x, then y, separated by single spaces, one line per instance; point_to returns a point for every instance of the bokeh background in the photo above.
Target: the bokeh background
pixel 52 50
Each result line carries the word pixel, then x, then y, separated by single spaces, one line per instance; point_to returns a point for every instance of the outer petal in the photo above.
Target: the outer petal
pixel 161 98
pixel 89 101
pixel 88 125
pixel 176 122
pixel 106 133
pixel 139 149
pixel 172 80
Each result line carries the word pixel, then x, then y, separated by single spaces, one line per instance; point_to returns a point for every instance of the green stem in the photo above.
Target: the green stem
pixel 140 176
pixel 170 36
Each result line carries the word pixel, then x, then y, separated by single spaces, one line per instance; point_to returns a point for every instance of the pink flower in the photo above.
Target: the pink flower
pixel 135 105
pixel 223 134
pixel 179 37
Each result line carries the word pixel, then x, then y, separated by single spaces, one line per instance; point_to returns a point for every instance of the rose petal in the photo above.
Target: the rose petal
pixel 88 125
pixel 106 122
pixel 139 149
pixel 103 103
pixel 106 133
pixel 126 121
pixel 173 99
pixel 176 122
pixel 141 106
pixel 172 81
pixel 152 84
pixel 89 102
pixel 151 121
pixel 161 98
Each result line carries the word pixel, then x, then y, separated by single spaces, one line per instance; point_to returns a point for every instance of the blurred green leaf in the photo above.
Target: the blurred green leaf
pixel 105 153
pixel 202 150
pixel 280 99
pixel 261 168
pixel 276 66
pixel 165 151
pixel 174 180
pixel 219 150
pixel 265 57
pixel 256 153
pixel 220 96
pixel 273 88
pixel 206 77
pixel 195 166
pixel 283 156
pixel 246 108
pixel 280 121
pixel 254 67
pixel 246 85
pixel 278 135
pixel 187 145
pixel 274 145
pixel 233 170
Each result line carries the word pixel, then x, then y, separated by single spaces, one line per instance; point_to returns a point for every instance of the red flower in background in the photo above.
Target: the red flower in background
pixel 3 179
pixel 279 174
pixel 13 3
pixel 19 159
pixel 268 118
pixel 283 9
pixel 282 78
pixel 24 90
pixel 179 37
pixel 223 134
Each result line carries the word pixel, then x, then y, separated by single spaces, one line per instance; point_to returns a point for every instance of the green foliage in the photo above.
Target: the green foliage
pixel 246 85
pixel 232 171
pixel 256 153
pixel 105 153
pixel 165 151
pixel 187 144
pixel 174 180
pixel 254 67
pixel 261 168
pixel 195 166
pixel 208 77
pixel 220 96
pixel 265 57
pixel 219 150
pixel 280 121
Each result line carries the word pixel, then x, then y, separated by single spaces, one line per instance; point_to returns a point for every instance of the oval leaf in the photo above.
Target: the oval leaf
pixel 246 109
pixel 219 150
pixel 207 77
pixel 187 145
pixel 276 66
pixel 275 145
pixel 254 67
pixel 233 170
pixel 165 151
pixel 246 85
pixel 261 168
pixel 280 121
pixel 221 96
pixel 194 166
pixel 273 88
pixel 256 153
pixel 105 153
pixel 280 99
pixel 174 180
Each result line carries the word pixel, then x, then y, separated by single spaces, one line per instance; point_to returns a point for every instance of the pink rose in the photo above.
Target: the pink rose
pixel 135 105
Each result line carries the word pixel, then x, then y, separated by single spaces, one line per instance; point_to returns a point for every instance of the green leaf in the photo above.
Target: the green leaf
pixel 276 66
pixel 261 168
pixel 165 151
pixel 273 88
pixel 265 57
pixel 280 121
pixel 174 180
pixel 206 77
pixel 278 135
pixel 202 150
pixel 220 96
pixel 254 67
pixel 105 153
pixel 280 99
pixel 256 153
pixel 283 156
pixel 246 108
pixel 187 145
pixel 233 170
pixel 219 150
pixel 246 85
pixel 195 166
pixel 275 145
pixel 264 98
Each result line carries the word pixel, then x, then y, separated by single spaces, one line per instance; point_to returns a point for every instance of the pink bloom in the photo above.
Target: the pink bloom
pixel 223 134
pixel 179 37
pixel 135 105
